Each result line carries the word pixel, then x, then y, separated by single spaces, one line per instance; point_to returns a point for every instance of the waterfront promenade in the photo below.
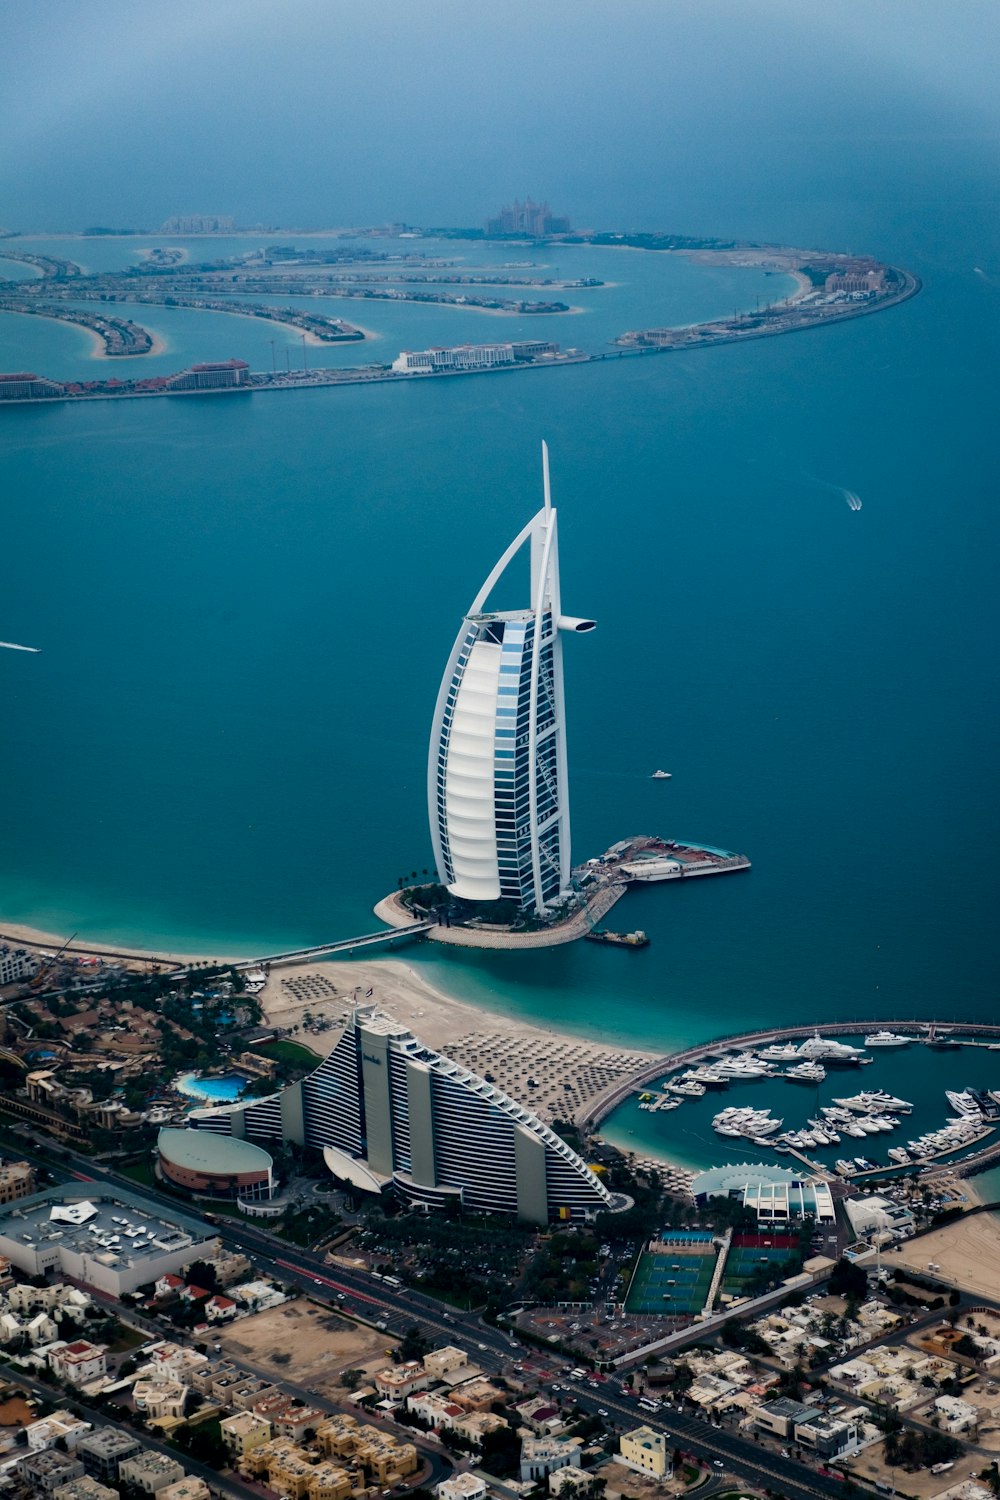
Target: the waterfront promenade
pixel 391 909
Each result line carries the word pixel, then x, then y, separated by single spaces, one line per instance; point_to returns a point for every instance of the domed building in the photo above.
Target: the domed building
pixel 215 1166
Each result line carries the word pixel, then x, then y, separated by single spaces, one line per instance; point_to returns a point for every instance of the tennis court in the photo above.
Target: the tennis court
pixel 748 1253
pixel 674 1282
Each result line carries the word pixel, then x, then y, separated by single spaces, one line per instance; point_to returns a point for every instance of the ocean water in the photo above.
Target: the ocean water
pixel 917 1074
pixel 245 605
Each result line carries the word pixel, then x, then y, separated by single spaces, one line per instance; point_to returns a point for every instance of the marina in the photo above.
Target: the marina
pixel 906 1120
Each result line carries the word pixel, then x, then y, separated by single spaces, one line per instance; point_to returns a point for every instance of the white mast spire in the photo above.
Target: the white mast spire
pixel 545 476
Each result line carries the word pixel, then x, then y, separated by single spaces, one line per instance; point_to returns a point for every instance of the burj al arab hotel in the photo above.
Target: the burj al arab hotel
pixel 496 778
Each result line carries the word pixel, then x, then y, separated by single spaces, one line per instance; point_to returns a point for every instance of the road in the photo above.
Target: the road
pixel 376 1302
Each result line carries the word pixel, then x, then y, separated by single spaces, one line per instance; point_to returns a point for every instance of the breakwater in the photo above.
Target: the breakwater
pixel 598 1109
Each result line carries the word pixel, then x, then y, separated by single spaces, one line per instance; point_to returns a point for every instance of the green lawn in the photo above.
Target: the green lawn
pixel 293 1052
pixel 129 1338
pixel 141 1172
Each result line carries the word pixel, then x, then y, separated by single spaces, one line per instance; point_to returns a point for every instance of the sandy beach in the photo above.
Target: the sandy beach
pixel 552 1072
pixel 967 1251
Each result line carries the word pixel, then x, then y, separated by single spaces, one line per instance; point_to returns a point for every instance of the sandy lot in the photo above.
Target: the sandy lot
pixel 870 1464
pixel 302 1342
pixel 967 1251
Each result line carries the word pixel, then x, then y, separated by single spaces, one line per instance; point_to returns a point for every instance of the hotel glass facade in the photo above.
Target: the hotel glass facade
pixel 388 1111
pixel 497 790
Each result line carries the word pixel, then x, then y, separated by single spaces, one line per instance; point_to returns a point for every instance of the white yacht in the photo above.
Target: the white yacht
pixel 899 1154
pixel 806 1072
pixel 964 1103
pixel 745 1065
pixel 845 1168
pixel 888 1039
pixel 875 1102
pixel 829 1049
pixel 779 1052
pixel 688 1088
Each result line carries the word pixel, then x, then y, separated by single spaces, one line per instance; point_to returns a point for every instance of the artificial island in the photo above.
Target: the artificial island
pixel 830 286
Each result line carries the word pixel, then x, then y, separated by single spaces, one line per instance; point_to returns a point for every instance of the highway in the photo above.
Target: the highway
pixel 358 1293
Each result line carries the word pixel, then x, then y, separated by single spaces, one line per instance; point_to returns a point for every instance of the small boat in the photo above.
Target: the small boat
pixel 661 776
pixel 637 939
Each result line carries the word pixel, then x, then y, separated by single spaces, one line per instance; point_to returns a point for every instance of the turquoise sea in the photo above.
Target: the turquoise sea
pixel 245 604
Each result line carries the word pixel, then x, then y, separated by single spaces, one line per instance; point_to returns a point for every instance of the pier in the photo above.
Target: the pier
pixel 598 1109
pixel 385 938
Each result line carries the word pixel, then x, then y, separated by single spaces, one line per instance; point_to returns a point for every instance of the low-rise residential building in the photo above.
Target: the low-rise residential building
pixel 286 1465
pixel 713 1393
pixel 396 1382
pixel 441 1362
pixel 477 1425
pixel 219 1309
pixel 257 1296
pixel 160 1399
pixel 781 1416
pixel 435 1410
pixel 45 1471
pixel 150 1472
pixel 541 1457
pixel 59 1426
pixel 476 1395
pixel 540 1416
pixel 385 1460
pixel 188 1488
pixel 874 1214
pixel 955 1415
pixel 462 1487
pixel 102 1452
pixel 244 1430
pixel 571 1482
pixel 830 1437
pixel 897 1377
pixel 84 1488
pixel 17 1180
pixel 168 1285
pixel 647 1452
pixel 78 1363
pixel 288 1417
pixel 188 1365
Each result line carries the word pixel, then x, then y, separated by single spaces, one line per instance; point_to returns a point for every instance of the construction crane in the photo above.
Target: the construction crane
pixel 49 965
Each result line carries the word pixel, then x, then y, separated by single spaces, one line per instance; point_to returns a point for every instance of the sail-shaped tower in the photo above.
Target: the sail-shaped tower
pixel 496 778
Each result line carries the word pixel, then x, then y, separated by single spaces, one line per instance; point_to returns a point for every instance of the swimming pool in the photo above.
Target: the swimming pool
pixel 221 1089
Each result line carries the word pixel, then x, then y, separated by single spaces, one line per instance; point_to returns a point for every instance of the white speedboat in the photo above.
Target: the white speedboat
pixel 661 776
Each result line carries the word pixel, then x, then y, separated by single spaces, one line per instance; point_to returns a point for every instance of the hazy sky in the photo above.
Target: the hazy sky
pixel 333 112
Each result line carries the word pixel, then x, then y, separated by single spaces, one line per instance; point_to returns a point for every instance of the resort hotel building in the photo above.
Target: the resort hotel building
pixel 389 1112
pixel 496 778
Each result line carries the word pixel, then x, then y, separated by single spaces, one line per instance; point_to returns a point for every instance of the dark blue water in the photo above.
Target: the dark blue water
pixel 245 606
pixel 917 1074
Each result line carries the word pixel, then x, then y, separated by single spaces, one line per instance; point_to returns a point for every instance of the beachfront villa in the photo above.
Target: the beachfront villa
pixel 389 1112
pixel 497 791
